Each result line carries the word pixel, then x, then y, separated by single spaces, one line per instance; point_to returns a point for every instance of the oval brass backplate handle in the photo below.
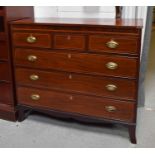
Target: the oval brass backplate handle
pixel 112 44
pixel 112 65
pixel 110 108
pixel 111 87
pixel 35 97
pixel 34 77
pixel 32 58
pixel 31 39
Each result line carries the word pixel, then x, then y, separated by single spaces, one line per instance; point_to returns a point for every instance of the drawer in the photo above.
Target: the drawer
pixel 3 51
pixel 69 41
pixel 32 39
pixel 84 105
pixel 113 44
pixel 4 72
pixel 118 66
pixel 6 93
pixel 92 85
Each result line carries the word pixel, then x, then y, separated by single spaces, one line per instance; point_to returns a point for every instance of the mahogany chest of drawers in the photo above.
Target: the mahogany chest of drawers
pixel 86 69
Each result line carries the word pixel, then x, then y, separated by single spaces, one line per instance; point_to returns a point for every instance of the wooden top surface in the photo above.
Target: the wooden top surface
pixel 135 23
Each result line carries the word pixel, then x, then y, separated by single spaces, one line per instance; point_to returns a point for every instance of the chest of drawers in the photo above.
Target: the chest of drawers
pixel 85 69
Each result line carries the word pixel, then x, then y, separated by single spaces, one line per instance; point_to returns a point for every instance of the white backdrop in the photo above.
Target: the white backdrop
pixel 76 11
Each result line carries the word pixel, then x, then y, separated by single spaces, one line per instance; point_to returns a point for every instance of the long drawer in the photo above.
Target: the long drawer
pixel 93 85
pixel 118 66
pixel 85 105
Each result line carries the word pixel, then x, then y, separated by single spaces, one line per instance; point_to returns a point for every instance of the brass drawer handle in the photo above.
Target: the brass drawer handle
pixel 35 97
pixel 110 108
pixel 112 44
pixel 112 65
pixel 32 58
pixel 34 77
pixel 111 87
pixel 31 39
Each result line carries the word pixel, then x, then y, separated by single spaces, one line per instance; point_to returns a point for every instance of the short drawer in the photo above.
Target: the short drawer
pixel 92 85
pixel 4 71
pixel 3 51
pixel 69 41
pixel 84 105
pixel 6 93
pixel 113 44
pixel 32 39
pixel 118 66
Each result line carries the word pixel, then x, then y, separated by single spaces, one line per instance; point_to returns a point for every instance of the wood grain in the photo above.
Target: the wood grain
pixel 7 90
pixel 77 62
pixel 85 105
pixel 42 40
pixel 78 83
pixel 6 93
pixel 5 73
pixel 3 51
pixel 69 41
pixel 127 45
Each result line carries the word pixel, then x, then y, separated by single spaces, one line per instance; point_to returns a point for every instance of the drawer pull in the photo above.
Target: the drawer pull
pixel 111 87
pixel 112 65
pixel 32 58
pixel 112 44
pixel 34 77
pixel 31 39
pixel 35 97
pixel 110 108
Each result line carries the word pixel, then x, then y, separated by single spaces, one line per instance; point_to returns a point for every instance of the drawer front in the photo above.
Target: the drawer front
pixel 32 39
pixel 3 51
pixel 69 41
pixel 85 105
pixel 93 85
pixel 76 62
pixel 113 44
pixel 5 93
pixel 4 71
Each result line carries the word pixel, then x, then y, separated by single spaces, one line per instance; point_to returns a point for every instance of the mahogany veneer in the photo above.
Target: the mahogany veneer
pixel 7 98
pixel 86 84
pixel 69 41
pixel 81 104
pixel 96 44
pixel 77 62
pixel 86 69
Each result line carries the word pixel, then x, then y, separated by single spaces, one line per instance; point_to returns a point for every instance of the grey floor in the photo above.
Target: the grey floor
pixel 41 131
